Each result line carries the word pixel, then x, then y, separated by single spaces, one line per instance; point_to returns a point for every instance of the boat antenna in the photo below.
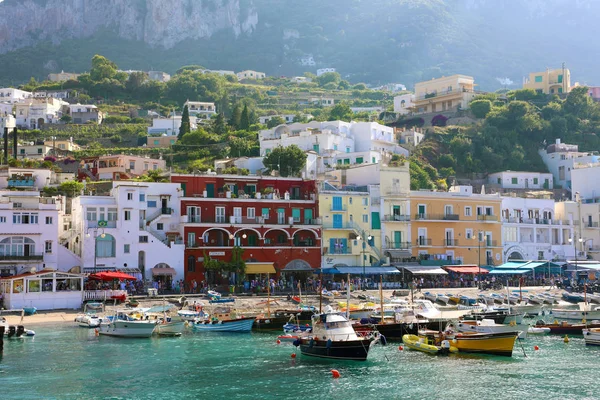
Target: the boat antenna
pixel 321 291
pixel 348 297
pixel 268 296
pixel 381 298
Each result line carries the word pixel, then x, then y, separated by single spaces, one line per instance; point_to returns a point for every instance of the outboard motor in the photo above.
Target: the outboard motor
pixel 20 330
pixel 445 347
pixel 12 330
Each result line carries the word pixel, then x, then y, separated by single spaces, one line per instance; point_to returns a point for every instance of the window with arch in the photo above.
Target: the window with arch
pixel 17 246
pixel 105 246
pixel 191 264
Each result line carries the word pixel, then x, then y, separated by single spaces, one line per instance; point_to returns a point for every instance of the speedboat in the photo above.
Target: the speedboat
pixel 15 331
pixel 591 336
pixel 443 299
pixel 212 295
pixel 123 325
pixel 527 308
pixel 585 311
pixel 166 323
pixel 593 298
pixel 574 298
pixel 427 345
pixel 334 338
pixel 90 319
pixel 499 315
pixel 534 330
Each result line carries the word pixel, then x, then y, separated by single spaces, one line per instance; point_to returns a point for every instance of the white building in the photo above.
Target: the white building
pixel 84 113
pixel 376 109
pixel 585 217
pixel 159 76
pixel 300 79
pixel 521 180
pixel 31 178
pixel 169 126
pixel 31 151
pixel 323 101
pixel 35 113
pixel 249 74
pixel 404 103
pixel 322 71
pixel 584 180
pixel 288 118
pixel 392 87
pixel 136 226
pixel 413 136
pixel 7 121
pixel 308 61
pixel 254 165
pixel 12 96
pixel 201 109
pixel 222 72
pixel 561 158
pixel 334 142
pixel 31 226
pixel 531 230
pixel 57 94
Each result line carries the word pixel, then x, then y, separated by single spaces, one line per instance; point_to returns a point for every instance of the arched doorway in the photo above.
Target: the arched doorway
pixel 40 122
pixel 297 271
pixel 163 275
pixel 515 255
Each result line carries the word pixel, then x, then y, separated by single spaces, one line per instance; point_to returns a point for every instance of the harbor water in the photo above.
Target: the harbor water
pixel 63 362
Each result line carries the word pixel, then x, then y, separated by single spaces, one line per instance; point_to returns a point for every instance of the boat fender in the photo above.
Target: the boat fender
pixel 383 340
pixel 445 344
pixel 297 342
pixel 454 341
pixel 329 343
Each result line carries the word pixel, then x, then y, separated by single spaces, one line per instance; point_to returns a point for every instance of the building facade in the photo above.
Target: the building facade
pixel 249 74
pixel 322 71
pixel 62 76
pixel 561 158
pixel 457 226
pixel 35 113
pixel 137 226
pixel 13 96
pixel 84 113
pixel 444 94
pixel 199 109
pixel 274 221
pixel 521 180
pixel 585 218
pixel 117 167
pixel 551 81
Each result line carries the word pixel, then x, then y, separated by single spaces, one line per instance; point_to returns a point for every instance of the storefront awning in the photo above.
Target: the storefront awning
pixel 260 268
pixel 367 270
pixel 466 269
pixel 163 271
pixel 423 270
pixel 506 271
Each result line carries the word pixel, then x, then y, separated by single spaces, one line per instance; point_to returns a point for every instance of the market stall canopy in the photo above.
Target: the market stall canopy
pixel 111 275
pixel 367 270
pixel 525 267
pixel 259 268
pixel 423 269
pixel 465 269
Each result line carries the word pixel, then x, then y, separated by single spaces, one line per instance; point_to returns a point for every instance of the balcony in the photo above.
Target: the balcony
pixel 487 218
pixel 490 243
pixel 396 218
pixel 237 220
pixel 591 224
pixel 423 242
pixel 22 257
pixel 437 217
pixel 166 210
pixel 450 242
pixel 398 245
pixel 101 224
pixel 338 208
pixel 339 251
pixel 21 183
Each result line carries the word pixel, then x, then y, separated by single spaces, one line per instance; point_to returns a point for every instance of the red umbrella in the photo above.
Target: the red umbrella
pixel 110 275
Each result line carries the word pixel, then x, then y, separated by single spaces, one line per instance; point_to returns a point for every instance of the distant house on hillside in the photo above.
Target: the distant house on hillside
pixel 551 81
pixel 159 76
pixel 322 71
pixel 249 74
pixel 444 94
pixel 201 109
pixel 84 113
pixel 63 76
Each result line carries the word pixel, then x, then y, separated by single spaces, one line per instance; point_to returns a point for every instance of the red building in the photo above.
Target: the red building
pixel 274 220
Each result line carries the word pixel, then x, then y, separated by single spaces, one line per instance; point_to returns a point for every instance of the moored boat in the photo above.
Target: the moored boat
pixel 500 344
pixel 489 326
pixel 591 336
pixel 228 325
pixel 425 345
pixel 334 338
pixel 584 311
pixel 566 328
pixel 122 325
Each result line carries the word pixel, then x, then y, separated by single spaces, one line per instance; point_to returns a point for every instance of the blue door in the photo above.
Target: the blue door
pixel 337 221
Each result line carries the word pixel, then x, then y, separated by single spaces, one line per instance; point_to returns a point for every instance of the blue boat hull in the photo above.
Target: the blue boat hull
pixel 234 325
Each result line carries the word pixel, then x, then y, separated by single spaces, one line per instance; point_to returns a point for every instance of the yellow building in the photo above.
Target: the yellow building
pixel 348 235
pixel 447 225
pixel 64 145
pixel 551 81
pixel 395 211
pixel 160 141
pixel 444 94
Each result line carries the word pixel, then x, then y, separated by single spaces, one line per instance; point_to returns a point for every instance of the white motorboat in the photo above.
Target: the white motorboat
pixel 593 298
pixel 90 318
pixel 123 325
pixel 528 309
pixel 534 330
pixel 591 336
pixel 15 331
pixel 489 326
pixel 166 324
pixel 443 299
pixel 584 312
pixel 430 296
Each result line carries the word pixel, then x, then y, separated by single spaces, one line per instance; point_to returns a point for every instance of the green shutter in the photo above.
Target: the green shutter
pixel 346 161
pixel 375 221
pixel 296 214
pixel 359 160
pixel 265 212
pixel 560 78
pixel 308 215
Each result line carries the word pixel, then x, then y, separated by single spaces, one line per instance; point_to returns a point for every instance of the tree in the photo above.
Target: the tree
pixel 578 102
pixel 135 81
pixel 102 68
pixel 185 123
pixel 71 188
pixel 289 161
pixel 480 108
pixel 65 118
pixel 341 111
pixel 329 77
pixel 275 121
pixel 154 176
pixel 218 124
pixel 245 118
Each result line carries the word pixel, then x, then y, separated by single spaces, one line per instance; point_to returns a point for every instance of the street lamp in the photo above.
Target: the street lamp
pixel 363 252
pixel 572 240
pixel 479 240
pixel 102 235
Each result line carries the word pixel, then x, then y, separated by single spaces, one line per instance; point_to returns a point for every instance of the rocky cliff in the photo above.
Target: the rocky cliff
pixel 157 23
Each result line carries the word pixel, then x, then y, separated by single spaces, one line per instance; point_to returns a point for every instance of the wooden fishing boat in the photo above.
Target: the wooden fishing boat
pixel 224 325
pixel 500 344
pixel 425 345
pixel 566 328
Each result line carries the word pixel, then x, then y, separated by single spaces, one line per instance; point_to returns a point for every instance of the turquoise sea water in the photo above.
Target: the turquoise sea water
pixel 70 362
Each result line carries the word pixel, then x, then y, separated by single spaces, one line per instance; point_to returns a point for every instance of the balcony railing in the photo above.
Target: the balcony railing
pixel 396 218
pixel 591 224
pixel 398 245
pixel 423 241
pixel 338 251
pixel 30 256
pixel 21 182
pixel 236 220
pixel 436 217
pixel 166 210
pixel 490 243
pixel 338 208
pixel 105 224
pixel 485 217
pixel 450 242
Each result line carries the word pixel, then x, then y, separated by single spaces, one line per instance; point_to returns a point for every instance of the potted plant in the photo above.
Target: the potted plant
pixel 227 191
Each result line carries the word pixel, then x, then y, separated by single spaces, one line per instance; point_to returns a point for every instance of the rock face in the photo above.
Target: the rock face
pixel 158 23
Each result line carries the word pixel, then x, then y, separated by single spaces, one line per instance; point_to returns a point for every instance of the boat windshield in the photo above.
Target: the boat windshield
pixel 336 324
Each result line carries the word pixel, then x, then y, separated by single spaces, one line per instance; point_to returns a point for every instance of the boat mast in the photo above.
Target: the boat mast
pixel 348 297
pixel 381 298
pixel 268 296
pixel 321 291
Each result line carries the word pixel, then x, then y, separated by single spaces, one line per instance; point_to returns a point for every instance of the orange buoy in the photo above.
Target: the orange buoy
pixel 335 373
pixel 278 341
pixel 536 347
pixel 293 355
pixel 400 348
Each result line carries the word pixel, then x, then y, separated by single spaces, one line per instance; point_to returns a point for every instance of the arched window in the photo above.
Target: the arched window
pixel 105 246
pixel 403 104
pixel 191 264
pixel 17 246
